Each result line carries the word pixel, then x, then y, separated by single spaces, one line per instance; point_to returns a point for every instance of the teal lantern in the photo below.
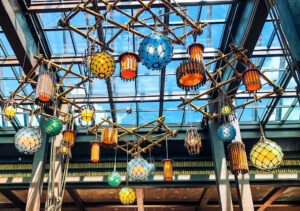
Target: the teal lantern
pixel 53 126
pixel 114 179
pixel 138 169
pixel 226 132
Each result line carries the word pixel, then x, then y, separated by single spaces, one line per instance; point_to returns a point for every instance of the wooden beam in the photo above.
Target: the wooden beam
pixel 77 199
pixel 271 197
pixel 13 198
pixel 140 199
pixel 206 195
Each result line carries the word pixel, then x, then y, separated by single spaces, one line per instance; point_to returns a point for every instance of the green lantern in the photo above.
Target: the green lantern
pixel 53 126
pixel 114 179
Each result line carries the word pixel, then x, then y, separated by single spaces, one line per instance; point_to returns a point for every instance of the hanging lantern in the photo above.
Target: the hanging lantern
pixel 226 110
pixel 127 195
pixel 45 88
pixel 138 169
pixel 156 51
pixel 192 141
pixel 64 150
pixel 102 65
pixel 195 51
pixel 87 116
pixel 266 155
pixel 128 65
pixel 95 151
pixel 109 137
pixel 53 126
pixel 28 140
pixel 190 75
pixel 226 132
pixel 114 179
pixel 251 79
pixel 68 137
pixel 238 158
pixel 9 108
pixel 168 170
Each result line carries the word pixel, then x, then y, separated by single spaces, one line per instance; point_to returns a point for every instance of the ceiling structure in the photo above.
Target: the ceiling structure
pixel 151 95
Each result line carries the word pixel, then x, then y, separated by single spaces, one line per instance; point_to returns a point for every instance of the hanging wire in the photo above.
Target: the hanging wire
pixel 167 150
pixel 190 114
pixel 115 164
pixel 256 109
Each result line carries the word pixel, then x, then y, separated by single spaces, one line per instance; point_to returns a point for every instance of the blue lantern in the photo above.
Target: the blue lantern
pixel 114 179
pixel 226 132
pixel 155 51
pixel 138 169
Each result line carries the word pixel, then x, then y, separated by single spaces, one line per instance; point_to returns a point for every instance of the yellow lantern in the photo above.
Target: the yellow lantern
pixel 127 195
pixel 225 110
pixel 102 65
pixel 87 116
pixel 168 170
pixel 9 108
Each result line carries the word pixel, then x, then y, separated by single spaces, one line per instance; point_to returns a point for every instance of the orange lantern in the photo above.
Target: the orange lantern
pixel 190 75
pixel 45 88
pixel 128 65
pixel 109 137
pixel 195 51
pixel 95 151
pixel 69 137
pixel 238 158
pixel 168 170
pixel 251 79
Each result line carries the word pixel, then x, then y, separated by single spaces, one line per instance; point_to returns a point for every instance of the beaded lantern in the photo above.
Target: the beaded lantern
pixel 266 154
pixel 28 140
pixel 109 137
pixel 168 170
pixel 87 116
pixel 114 179
pixel 238 158
pixel 9 109
pixel 190 75
pixel 192 141
pixel 251 79
pixel 95 151
pixel 195 51
pixel 138 169
pixel 128 65
pixel 68 137
pixel 45 88
pixel 127 195
pixel 155 51
pixel 226 132
pixel 102 65
pixel 53 126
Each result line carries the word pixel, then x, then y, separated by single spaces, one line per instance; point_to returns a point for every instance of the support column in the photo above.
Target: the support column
pixel 37 175
pixel 221 172
pixel 140 199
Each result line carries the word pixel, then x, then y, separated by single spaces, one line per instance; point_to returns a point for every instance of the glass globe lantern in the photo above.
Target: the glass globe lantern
pixel 68 137
pixel 28 140
pixel 195 51
pixel 53 126
pixel 138 169
pixel 192 141
pixel 109 137
pixel 87 116
pixel 190 75
pixel 9 108
pixel 64 150
pixel 45 88
pixel 226 132
pixel 128 65
pixel 168 170
pixel 114 179
pixel 127 195
pixel 155 51
pixel 238 158
pixel 266 155
pixel 251 79
pixel 95 151
pixel 102 65
pixel 226 110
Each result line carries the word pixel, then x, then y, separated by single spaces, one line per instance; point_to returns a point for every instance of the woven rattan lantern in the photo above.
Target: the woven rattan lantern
pixel 190 75
pixel 192 141
pixel 251 79
pixel 226 132
pixel 102 65
pixel 138 169
pixel 68 137
pixel 28 140
pixel 195 51
pixel 95 151
pixel 238 158
pixel 53 126
pixel 156 51
pixel 127 195
pixel 109 137
pixel 9 109
pixel 87 116
pixel 266 154
pixel 168 170
pixel 45 88
pixel 128 65
pixel 114 179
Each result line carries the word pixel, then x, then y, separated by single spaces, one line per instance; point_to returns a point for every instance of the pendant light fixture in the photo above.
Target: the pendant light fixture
pixel 251 79
pixel 9 108
pixel 109 137
pixel 128 65
pixel 102 65
pixel 195 51
pixel 45 88
pixel 87 115
pixel 138 169
pixel 95 150
pixel 114 179
pixel 168 166
pixel 238 157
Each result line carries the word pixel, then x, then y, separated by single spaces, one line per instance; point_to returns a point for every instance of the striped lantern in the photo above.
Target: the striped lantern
pixel 238 158
pixel 128 65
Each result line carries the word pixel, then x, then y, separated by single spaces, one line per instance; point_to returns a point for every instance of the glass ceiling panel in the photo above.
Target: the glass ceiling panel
pixel 6 45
